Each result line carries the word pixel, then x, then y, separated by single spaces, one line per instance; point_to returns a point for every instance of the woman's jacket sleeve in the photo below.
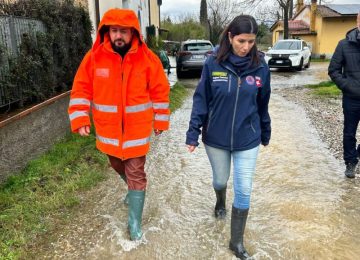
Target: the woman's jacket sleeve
pixel 263 98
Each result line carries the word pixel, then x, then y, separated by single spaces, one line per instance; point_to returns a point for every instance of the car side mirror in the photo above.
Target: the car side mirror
pixel 306 47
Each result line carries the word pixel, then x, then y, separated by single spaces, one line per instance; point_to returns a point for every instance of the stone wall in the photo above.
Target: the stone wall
pixel 32 132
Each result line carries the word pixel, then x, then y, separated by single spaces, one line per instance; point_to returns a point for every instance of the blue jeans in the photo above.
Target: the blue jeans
pixel 244 169
pixel 351 110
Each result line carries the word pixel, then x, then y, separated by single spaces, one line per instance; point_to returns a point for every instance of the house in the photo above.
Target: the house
pixel 321 26
pixel 148 12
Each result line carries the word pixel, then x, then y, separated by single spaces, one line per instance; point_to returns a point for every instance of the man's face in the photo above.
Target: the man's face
pixel 358 20
pixel 120 36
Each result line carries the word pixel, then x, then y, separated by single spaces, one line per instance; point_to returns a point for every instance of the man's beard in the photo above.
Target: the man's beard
pixel 122 50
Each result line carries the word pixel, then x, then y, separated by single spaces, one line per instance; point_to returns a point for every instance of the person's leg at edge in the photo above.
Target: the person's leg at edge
pixel 351 110
pixel 136 179
pixel 244 169
pixel 118 165
pixel 220 161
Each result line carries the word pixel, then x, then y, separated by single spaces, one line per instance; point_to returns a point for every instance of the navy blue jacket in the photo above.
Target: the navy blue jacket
pixel 231 108
pixel 344 67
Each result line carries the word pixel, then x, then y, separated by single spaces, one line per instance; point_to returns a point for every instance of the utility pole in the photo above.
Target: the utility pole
pixel 97 13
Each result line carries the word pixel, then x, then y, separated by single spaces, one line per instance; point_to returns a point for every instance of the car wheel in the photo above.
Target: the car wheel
pixel 308 64
pixel 300 67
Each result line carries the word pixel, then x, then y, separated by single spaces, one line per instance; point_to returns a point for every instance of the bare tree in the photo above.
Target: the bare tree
pixel 284 5
pixel 220 14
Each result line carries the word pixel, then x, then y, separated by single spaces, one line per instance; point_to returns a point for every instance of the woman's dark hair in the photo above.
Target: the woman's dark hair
pixel 240 24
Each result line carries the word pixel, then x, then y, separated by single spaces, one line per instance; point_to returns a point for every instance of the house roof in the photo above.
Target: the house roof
pixel 294 25
pixel 334 10
pixel 329 10
pixel 350 9
pixel 326 11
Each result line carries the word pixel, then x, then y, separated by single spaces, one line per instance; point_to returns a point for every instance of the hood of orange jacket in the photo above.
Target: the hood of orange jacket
pixel 119 17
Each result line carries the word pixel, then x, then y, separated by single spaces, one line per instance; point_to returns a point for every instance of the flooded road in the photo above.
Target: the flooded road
pixel 302 205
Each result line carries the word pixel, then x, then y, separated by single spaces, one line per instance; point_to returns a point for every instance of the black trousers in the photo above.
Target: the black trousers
pixel 351 110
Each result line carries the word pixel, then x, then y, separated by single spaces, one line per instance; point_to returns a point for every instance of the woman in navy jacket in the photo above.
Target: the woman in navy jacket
pixel 230 109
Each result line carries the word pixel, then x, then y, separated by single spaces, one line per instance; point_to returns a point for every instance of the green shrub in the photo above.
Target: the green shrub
pixel 47 62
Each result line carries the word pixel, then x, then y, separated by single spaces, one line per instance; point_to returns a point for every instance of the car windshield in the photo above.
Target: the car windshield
pixel 287 45
pixel 199 46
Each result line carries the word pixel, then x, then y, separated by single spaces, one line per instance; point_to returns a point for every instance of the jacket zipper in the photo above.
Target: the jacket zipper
pixel 210 117
pixel 229 83
pixel 252 127
pixel 236 102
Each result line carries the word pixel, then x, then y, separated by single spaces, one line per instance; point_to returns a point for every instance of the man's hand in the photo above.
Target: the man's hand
pixel 157 132
pixel 84 130
pixel 191 148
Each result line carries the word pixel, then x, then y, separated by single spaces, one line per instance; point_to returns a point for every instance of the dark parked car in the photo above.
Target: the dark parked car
pixel 192 55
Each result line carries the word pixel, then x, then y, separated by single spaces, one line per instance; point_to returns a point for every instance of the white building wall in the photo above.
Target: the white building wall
pixel 141 8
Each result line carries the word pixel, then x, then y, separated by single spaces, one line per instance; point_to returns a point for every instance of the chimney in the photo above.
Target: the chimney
pixel 313 15
pixel 299 5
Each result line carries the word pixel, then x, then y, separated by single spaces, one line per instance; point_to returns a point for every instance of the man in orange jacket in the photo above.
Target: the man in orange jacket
pixel 128 91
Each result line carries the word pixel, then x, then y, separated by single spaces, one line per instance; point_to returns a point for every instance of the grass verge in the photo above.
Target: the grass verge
pixel 177 95
pixel 44 193
pixel 326 89
pixel 319 60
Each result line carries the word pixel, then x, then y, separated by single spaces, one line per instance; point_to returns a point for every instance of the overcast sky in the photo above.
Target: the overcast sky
pixel 176 8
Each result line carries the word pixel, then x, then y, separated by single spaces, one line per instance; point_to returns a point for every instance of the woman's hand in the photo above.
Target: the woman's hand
pixel 191 148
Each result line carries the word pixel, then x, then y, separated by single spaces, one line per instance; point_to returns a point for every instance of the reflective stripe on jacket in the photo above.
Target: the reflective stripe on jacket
pixel 128 96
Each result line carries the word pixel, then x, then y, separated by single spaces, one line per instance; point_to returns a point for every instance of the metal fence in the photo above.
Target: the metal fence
pixel 12 30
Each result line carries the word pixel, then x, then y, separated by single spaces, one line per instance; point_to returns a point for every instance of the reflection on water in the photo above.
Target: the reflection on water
pixel 302 206
pixel 317 72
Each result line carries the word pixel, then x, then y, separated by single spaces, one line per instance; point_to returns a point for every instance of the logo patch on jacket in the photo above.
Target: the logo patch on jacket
pixel 102 72
pixel 250 80
pixel 219 76
pixel 258 82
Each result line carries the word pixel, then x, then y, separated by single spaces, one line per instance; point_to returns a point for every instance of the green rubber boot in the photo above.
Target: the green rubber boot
pixel 126 199
pixel 136 205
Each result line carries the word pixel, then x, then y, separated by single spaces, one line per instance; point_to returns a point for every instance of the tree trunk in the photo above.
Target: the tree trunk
pixel 291 8
pixel 286 22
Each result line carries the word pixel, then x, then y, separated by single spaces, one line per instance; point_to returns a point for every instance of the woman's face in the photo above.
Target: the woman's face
pixel 242 43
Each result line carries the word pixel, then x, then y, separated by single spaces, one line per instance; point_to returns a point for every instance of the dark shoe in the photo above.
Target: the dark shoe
pixel 136 205
pixel 220 210
pixel 350 170
pixel 238 223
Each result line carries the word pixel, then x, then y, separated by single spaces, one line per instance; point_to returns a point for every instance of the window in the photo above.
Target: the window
pixel 197 47
pixel 288 45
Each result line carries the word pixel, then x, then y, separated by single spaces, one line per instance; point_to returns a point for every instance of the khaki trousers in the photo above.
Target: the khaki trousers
pixel 133 169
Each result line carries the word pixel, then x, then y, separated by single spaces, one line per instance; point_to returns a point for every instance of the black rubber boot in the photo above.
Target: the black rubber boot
pixel 238 223
pixel 220 210
pixel 350 170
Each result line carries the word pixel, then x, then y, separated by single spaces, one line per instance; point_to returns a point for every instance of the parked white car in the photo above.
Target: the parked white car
pixel 289 53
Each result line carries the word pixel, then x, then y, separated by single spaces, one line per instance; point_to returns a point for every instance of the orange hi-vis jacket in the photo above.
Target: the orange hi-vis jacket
pixel 128 96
